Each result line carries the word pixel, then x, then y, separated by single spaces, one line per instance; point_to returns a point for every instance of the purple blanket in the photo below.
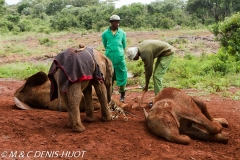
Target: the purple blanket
pixel 74 67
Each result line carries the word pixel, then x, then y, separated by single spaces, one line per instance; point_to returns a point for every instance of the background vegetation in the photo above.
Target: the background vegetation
pixel 58 15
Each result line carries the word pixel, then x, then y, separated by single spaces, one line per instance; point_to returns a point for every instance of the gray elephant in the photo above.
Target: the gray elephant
pixel 34 94
pixel 175 116
pixel 73 72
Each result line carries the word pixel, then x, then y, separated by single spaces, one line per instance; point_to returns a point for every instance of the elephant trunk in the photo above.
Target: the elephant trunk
pixel 56 76
pixel 145 113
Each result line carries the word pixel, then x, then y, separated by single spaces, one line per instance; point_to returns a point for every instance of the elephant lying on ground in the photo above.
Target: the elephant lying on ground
pixel 35 94
pixel 73 72
pixel 175 116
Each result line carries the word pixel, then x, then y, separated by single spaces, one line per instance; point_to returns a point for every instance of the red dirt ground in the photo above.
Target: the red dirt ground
pixel 34 131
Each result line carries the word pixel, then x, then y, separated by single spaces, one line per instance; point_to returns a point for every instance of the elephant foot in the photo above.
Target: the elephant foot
pixel 69 125
pixel 217 128
pixel 78 129
pixel 222 121
pixel 222 137
pixel 106 118
pixel 90 119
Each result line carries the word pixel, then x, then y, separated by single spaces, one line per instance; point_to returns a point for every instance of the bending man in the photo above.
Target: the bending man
pixel 148 50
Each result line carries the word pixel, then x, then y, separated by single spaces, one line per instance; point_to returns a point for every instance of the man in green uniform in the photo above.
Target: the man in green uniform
pixel 148 50
pixel 114 41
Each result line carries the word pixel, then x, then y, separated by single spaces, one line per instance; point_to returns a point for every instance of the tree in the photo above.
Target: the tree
pixel 2 8
pixel 55 6
pixel 22 6
pixel 216 9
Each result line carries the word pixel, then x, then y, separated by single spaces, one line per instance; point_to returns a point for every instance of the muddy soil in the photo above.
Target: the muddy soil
pixel 39 134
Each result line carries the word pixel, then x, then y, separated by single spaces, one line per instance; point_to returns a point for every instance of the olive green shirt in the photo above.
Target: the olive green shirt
pixel 151 49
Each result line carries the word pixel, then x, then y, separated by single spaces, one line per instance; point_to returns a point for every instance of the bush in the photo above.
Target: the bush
pixel 24 25
pixel 167 23
pixel 13 18
pixel 64 21
pixel 6 25
pixel 46 41
pixel 228 33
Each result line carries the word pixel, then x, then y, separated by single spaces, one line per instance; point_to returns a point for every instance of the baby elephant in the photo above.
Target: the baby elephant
pixel 176 116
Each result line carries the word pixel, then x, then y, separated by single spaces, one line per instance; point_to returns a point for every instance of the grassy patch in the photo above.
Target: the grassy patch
pixel 22 71
pixel 212 73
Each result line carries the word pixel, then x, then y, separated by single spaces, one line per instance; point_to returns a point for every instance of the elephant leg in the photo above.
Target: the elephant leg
pixel 109 91
pixel 200 134
pixel 89 108
pixel 65 99
pixel 213 127
pixel 74 96
pixel 102 96
pixel 222 121
pixel 202 106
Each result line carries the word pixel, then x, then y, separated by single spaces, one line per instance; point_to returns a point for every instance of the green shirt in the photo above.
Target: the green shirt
pixel 151 49
pixel 115 45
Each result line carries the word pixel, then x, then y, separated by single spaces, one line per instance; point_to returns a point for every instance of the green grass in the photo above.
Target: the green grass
pixel 212 73
pixel 21 70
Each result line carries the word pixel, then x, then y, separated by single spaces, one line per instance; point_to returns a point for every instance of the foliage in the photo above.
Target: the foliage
pixel 2 8
pixel 59 15
pixel 228 33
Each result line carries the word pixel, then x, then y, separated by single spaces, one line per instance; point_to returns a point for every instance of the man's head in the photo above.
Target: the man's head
pixel 132 53
pixel 114 20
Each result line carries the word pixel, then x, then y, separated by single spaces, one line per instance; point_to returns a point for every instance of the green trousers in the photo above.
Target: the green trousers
pixel 121 88
pixel 161 66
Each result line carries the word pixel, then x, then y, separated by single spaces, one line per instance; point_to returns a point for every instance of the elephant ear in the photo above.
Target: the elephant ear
pixel 35 80
pixel 20 104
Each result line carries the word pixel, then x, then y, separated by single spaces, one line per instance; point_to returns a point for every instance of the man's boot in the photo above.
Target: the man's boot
pixel 122 97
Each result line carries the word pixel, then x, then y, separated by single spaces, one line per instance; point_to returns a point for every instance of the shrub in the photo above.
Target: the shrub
pixel 24 25
pixel 228 33
pixel 46 41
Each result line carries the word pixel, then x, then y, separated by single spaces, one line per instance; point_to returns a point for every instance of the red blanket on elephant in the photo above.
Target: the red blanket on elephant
pixel 74 66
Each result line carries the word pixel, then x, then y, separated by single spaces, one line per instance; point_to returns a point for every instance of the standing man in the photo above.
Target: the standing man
pixel 114 41
pixel 148 50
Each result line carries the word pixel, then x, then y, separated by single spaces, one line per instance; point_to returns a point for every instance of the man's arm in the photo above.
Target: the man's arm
pixel 124 40
pixel 148 66
pixel 104 41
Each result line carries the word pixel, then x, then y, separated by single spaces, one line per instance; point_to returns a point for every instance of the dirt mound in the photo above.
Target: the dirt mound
pixel 36 133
